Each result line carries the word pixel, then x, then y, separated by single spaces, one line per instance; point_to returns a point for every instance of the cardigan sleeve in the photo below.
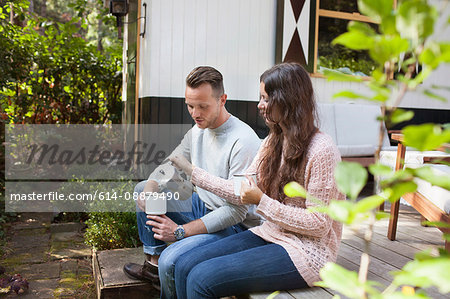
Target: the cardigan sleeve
pixel 219 186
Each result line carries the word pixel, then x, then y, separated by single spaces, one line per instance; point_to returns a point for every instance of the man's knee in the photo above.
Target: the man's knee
pixel 166 261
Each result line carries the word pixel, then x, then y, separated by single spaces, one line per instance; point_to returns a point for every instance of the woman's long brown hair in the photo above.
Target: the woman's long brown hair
pixel 290 104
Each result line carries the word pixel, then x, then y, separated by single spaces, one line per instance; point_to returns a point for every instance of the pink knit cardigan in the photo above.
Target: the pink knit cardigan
pixel 310 239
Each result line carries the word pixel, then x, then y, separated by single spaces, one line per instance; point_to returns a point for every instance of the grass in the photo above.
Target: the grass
pixel 76 286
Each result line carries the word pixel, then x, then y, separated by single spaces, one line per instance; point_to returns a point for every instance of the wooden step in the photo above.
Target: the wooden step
pixel 111 281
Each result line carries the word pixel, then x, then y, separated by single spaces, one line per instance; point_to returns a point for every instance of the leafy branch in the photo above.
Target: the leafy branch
pixel 405 32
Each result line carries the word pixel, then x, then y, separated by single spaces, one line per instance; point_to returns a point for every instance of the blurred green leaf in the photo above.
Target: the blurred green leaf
pixel 430 55
pixel 415 20
pixel 437 224
pixel 435 54
pixel 333 75
pixel 424 255
pixel 425 137
pixel 382 215
pixel 400 295
pixel 425 273
pixel 361 27
pixel 344 281
pixel 388 48
pixel 273 295
pixel 344 211
pixel 380 169
pixel 387 25
pixel 350 178
pixel 376 10
pixel 382 93
pixel 421 76
pixel 349 94
pixel 437 179
pixel 404 175
pixel 340 210
pixel 355 40
pixel 294 189
pixel 379 76
pixel 367 204
pixel 433 95
pixel 397 190
pixel 400 115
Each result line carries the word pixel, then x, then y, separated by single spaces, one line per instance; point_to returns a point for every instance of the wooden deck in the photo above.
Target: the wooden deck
pixel 386 255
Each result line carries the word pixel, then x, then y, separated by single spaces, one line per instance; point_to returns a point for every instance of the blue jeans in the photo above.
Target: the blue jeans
pixel 170 254
pixel 239 264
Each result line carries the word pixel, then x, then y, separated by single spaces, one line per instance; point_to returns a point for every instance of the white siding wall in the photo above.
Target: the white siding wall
pixel 236 37
pixel 415 99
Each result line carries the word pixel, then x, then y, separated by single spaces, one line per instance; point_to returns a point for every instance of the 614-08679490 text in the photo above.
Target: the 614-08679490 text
pixel 103 196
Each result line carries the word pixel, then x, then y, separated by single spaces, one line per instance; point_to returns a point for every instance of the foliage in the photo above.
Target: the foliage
pixel 108 226
pixel 50 74
pixel 5 217
pixel 112 230
pixel 335 56
pixel 60 62
pixel 403 32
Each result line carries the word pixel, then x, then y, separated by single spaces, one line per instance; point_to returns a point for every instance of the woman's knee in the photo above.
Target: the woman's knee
pixel 198 282
pixel 183 266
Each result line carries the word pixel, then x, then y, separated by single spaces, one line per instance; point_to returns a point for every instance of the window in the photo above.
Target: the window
pixel 333 17
pixel 308 27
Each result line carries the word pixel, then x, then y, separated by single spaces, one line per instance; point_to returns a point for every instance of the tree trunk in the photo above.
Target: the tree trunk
pixel 44 8
pixel 99 34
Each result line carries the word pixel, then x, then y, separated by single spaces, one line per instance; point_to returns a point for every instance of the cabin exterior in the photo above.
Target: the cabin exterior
pixel 165 39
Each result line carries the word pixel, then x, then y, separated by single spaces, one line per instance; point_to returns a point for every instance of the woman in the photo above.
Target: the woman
pixel 292 245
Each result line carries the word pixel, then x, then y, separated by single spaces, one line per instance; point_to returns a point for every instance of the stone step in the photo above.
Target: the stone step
pixel 111 281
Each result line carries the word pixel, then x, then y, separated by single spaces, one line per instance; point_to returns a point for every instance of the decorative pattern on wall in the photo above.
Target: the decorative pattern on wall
pixel 298 32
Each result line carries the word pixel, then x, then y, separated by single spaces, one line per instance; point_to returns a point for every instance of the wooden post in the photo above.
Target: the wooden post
pixel 400 161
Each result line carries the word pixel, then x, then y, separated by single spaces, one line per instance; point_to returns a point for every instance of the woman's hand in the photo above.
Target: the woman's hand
pixel 180 162
pixel 250 193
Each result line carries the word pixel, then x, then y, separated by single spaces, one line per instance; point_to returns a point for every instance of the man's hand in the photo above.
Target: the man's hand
pixel 150 187
pixel 141 201
pixel 250 194
pixel 163 227
pixel 180 162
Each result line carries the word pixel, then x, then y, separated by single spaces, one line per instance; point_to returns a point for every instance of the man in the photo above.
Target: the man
pixel 222 145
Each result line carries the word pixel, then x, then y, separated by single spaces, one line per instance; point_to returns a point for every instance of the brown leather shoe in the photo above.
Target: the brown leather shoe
pixel 148 272
pixel 156 285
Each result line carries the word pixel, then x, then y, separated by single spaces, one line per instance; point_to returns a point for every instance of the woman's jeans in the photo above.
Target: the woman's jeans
pixel 170 254
pixel 239 264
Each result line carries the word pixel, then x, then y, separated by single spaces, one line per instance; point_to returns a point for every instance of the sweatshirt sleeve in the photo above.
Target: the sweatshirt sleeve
pixel 223 217
pixel 320 184
pixel 232 211
pixel 219 186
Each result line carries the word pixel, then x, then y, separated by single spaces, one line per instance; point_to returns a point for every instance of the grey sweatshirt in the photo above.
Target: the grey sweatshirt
pixel 223 152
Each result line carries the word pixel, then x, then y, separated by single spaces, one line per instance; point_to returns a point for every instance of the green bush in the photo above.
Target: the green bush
pixel 50 74
pixel 112 223
pixel 112 230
